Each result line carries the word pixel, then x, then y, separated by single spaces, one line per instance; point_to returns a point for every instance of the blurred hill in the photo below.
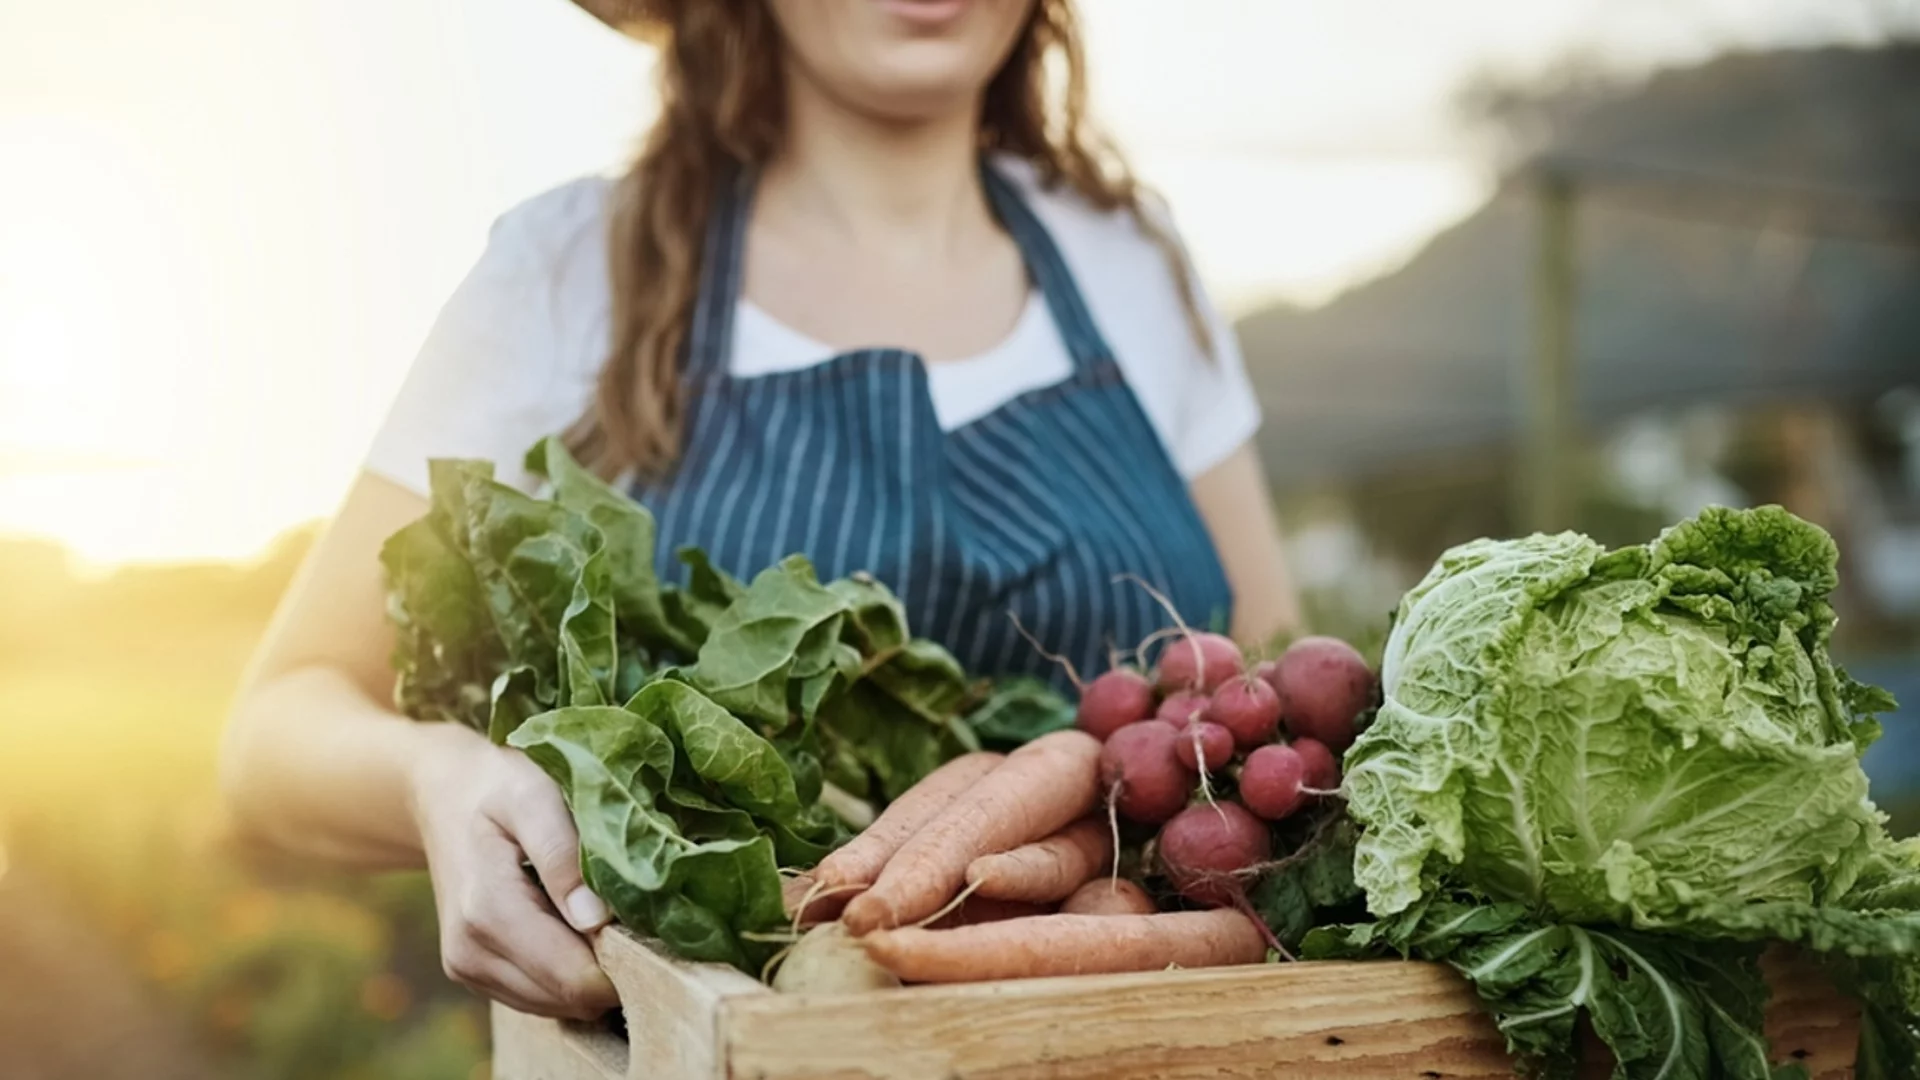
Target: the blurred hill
pixel 1747 230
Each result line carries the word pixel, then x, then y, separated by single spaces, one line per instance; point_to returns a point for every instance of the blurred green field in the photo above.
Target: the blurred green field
pixel 112 693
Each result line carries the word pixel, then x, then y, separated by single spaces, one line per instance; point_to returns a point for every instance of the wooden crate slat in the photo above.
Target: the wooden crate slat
pixel 536 1048
pixel 1376 1020
pixel 672 1009
pixel 1373 1021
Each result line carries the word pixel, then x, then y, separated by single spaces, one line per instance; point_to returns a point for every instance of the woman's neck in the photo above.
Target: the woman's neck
pixel 909 188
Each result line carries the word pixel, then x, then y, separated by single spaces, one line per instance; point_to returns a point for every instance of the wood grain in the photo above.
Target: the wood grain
pixel 672 1009
pixel 1312 1021
pixel 535 1048
pixel 1377 1021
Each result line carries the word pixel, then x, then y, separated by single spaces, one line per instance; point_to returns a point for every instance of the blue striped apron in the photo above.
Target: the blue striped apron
pixel 1031 511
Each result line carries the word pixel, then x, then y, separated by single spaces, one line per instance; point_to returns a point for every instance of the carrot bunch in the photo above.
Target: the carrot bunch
pixel 993 868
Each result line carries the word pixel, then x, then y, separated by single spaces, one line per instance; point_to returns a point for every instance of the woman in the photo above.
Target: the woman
pixel 1055 405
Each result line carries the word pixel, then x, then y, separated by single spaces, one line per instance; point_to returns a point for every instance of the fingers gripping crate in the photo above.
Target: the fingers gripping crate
pixel 1314 1021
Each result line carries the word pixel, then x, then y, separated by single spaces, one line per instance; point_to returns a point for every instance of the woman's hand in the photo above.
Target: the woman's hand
pixel 480 808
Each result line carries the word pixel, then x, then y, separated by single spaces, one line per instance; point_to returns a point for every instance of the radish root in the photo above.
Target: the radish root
pixel 819 890
pixel 1199 655
pixel 1148 642
pixel 952 905
pixel 773 962
pixel 1200 762
pixel 1072 673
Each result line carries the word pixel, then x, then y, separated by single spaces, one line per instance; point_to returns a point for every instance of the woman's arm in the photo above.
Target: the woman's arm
pixel 1237 506
pixel 315 763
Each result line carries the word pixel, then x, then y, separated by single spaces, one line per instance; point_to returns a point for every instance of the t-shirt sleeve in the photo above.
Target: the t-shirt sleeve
pixel 1218 407
pixel 510 357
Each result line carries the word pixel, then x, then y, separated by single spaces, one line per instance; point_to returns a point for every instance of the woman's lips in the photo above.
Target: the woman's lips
pixel 925 13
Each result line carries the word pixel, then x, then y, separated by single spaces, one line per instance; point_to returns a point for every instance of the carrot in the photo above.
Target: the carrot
pixel 1045 870
pixel 1109 896
pixel 1040 788
pixel 976 909
pixel 860 860
pixel 1047 945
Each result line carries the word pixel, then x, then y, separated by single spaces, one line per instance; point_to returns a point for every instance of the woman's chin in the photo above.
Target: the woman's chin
pixel 917 88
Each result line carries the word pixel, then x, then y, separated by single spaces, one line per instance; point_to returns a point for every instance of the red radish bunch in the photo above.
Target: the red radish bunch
pixel 1278 727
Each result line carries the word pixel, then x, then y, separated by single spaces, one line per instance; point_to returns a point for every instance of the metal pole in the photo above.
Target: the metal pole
pixel 1548 498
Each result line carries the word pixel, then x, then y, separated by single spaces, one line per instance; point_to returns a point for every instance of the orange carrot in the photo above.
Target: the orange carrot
pixel 1109 896
pixel 975 909
pixel 1045 870
pixel 860 860
pixel 1068 945
pixel 1039 789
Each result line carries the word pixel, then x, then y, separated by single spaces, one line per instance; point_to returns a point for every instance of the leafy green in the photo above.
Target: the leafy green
pixel 1669 1007
pixel 1018 711
pixel 1313 885
pixel 690 728
pixel 1631 736
pixel 1642 758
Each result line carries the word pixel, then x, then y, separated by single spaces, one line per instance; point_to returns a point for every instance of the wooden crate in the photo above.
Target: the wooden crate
pixel 1312 1021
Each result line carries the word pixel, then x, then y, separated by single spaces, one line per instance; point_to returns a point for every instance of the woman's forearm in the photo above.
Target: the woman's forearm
pixel 315 767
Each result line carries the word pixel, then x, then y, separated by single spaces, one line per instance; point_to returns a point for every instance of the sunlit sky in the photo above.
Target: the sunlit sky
pixel 225 225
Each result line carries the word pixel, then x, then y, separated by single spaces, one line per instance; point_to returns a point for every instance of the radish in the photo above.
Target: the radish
pixel 1322 772
pixel 1324 686
pixel 1205 746
pixel 1204 847
pixel 1247 707
pixel 1271 779
pixel 1113 701
pixel 1141 771
pixel 1196 661
pixel 1181 706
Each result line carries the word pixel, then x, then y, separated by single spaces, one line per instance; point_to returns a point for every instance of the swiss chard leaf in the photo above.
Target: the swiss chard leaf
pixel 627 533
pixel 1019 710
pixel 480 585
pixel 617 769
pixel 924 679
pixel 691 612
pixel 785 626
pixel 895 751
pixel 744 768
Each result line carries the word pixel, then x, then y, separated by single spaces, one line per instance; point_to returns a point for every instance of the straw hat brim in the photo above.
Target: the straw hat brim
pixel 639 19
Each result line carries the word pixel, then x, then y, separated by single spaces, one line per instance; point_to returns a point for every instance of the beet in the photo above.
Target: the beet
pixel 1112 701
pixel 1195 661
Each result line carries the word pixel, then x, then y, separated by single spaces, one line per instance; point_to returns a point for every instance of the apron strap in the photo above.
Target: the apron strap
pixel 710 337
pixel 1049 269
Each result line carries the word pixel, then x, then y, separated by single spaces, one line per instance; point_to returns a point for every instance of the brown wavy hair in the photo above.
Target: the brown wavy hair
pixel 722 108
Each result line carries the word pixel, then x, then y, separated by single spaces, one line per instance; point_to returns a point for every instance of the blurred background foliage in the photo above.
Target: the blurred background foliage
pixel 127 920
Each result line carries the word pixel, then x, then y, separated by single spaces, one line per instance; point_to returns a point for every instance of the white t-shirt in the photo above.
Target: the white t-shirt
pixel 515 351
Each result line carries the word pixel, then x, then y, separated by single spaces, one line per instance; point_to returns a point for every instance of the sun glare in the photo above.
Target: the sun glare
pixel 103 310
